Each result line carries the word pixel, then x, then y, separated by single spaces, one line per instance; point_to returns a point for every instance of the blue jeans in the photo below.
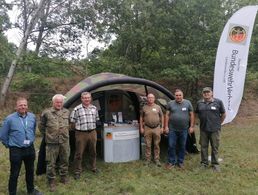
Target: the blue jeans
pixel 176 146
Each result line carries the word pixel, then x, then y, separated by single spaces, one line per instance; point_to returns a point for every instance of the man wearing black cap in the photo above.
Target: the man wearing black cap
pixel 211 113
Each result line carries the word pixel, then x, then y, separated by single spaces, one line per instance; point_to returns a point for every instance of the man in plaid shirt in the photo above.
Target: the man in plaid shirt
pixel 83 119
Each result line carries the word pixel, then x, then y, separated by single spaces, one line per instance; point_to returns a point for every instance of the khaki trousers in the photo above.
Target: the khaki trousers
pixel 149 135
pixel 83 140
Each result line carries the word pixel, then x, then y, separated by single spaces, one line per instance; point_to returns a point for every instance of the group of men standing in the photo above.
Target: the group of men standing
pixel 18 134
pixel 179 121
pixel 55 123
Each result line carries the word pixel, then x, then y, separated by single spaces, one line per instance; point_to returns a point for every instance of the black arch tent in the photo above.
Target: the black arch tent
pixel 110 82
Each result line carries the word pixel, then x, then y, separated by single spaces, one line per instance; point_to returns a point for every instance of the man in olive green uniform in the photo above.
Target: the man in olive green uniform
pixel 151 125
pixel 54 124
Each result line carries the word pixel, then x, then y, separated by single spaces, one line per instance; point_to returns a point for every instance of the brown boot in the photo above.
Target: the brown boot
pixel 64 180
pixel 52 185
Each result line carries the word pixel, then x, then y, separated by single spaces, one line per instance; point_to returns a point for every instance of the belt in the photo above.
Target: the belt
pixel 152 127
pixel 85 131
pixel 22 148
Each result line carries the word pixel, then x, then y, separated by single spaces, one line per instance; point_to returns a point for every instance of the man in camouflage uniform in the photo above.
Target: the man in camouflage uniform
pixel 151 125
pixel 54 124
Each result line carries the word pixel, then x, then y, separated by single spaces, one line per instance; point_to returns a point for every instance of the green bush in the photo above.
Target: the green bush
pixel 32 83
pixel 44 66
pixel 39 102
pixel 38 89
pixel 252 81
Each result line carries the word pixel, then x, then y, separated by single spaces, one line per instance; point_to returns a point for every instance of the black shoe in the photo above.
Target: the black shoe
pixel 64 180
pixel 181 166
pixel 77 176
pixel 52 185
pixel 95 171
pixel 169 166
pixel 203 166
pixel 35 192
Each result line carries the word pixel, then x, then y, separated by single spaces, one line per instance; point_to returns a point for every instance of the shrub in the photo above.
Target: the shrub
pixel 30 82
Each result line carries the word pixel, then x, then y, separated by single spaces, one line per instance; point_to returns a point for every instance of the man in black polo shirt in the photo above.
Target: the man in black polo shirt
pixel 211 113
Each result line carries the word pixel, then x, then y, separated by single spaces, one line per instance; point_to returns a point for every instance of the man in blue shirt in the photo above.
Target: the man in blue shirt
pixel 18 134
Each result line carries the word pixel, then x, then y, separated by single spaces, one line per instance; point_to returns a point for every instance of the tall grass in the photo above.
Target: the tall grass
pixel 239 146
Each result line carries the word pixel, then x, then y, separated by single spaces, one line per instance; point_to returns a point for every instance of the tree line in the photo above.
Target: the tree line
pixel 170 41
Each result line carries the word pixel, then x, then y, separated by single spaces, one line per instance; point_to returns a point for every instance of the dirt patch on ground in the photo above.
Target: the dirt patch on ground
pixel 248 109
pixel 249 106
pixel 63 85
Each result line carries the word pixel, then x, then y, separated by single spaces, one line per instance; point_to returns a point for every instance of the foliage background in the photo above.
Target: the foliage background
pixel 172 42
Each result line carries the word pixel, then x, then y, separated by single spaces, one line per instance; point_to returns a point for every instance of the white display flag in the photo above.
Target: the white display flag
pixel 231 60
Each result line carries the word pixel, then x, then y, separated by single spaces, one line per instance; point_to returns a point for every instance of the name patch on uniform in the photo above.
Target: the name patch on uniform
pixel 154 109
pixel 26 142
pixel 183 109
pixel 213 108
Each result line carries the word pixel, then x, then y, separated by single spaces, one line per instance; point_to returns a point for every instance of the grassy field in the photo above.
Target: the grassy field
pixel 239 151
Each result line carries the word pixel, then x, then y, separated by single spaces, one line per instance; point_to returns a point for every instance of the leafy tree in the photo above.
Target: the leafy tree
pixel 6 54
pixel 173 40
pixel 56 34
pixel 61 28
pixel 6 49
pixel 44 66
pixel 19 52
pixel 196 30
pixel 169 40
pixel 4 18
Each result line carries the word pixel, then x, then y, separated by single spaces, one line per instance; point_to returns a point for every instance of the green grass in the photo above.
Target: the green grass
pixel 239 145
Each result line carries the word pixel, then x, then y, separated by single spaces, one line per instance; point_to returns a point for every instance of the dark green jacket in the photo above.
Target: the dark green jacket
pixel 54 124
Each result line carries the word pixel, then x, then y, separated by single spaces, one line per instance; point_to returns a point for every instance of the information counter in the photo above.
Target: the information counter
pixel 121 143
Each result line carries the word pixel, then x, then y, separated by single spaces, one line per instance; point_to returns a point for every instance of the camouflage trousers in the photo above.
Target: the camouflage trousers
pixel 149 135
pixel 57 157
